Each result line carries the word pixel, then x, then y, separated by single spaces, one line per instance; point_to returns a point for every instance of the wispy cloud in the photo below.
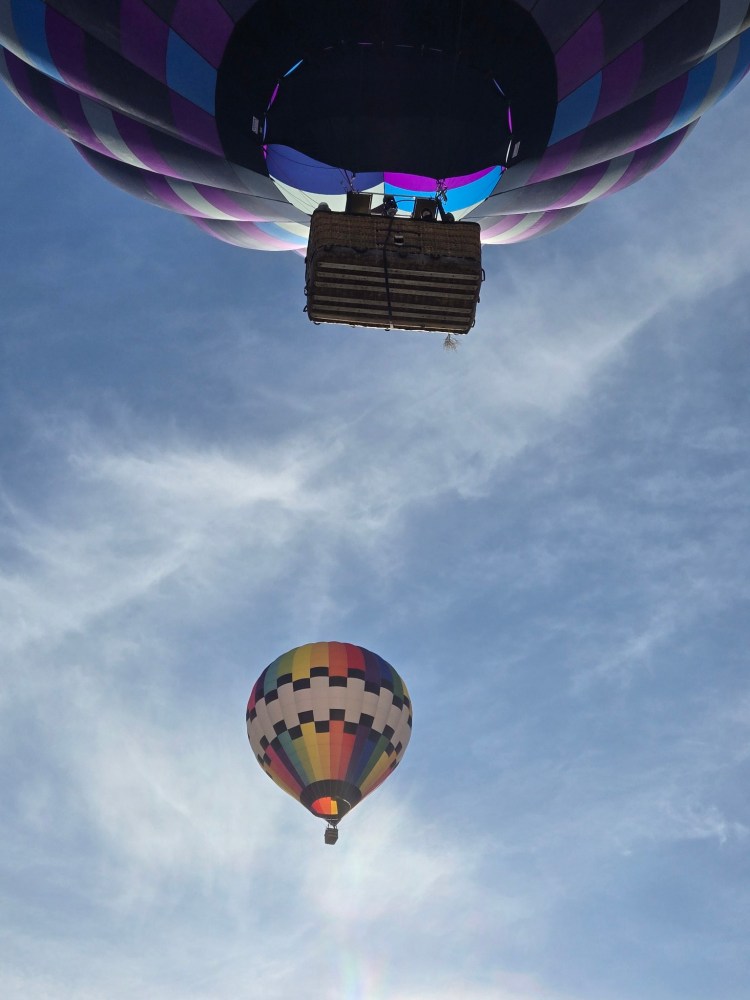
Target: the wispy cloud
pixel 548 528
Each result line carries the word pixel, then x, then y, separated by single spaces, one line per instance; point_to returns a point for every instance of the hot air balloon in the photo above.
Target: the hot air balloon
pixel 246 115
pixel 328 722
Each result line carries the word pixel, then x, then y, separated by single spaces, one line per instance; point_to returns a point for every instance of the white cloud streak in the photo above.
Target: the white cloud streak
pixel 144 854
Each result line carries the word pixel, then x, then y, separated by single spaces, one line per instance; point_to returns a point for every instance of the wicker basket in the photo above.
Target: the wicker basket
pixel 407 274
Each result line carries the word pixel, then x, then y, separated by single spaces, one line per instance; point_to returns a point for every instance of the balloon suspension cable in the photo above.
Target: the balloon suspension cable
pixel 441 197
pixel 387 290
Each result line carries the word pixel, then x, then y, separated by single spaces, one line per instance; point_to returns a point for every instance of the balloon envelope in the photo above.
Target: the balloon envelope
pixel 328 722
pixel 243 115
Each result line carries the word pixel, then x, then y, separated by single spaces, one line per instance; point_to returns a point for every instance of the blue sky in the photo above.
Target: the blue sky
pixel 546 533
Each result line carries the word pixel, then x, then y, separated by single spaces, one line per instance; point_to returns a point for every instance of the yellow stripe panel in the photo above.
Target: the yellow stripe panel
pixel 309 739
pixel 301 663
pixel 318 654
pixel 301 747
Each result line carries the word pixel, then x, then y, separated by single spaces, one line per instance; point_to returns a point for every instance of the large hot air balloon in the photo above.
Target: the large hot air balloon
pixel 245 115
pixel 328 722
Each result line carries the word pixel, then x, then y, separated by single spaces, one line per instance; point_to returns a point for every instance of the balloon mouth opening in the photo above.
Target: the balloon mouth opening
pixel 388 86
pixel 327 808
pixel 344 108
pixel 330 800
pixel 305 183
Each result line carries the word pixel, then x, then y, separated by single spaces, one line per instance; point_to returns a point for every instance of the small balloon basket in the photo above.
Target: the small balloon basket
pixel 393 272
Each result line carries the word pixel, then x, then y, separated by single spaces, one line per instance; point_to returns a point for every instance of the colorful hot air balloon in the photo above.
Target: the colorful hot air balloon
pixel 328 722
pixel 244 115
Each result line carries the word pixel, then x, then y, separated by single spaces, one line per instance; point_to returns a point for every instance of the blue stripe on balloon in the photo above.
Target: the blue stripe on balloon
pixel 295 759
pixel 742 65
pixel 701 78
pixel 576 111
pixel 189 74
pixel 28 21
pixel 474 192
pixel 302 172
pixel 458 197
pixel 699 83
pixel 272 229
pixel 291 167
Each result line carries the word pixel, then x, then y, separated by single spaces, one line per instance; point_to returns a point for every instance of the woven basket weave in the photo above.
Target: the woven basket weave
pixel 370 270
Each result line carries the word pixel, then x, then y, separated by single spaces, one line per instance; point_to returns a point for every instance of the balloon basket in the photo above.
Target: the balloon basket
pixel 331 835
pixel 393 272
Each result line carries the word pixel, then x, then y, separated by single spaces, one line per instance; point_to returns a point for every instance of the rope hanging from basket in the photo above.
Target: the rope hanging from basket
pixel 385 271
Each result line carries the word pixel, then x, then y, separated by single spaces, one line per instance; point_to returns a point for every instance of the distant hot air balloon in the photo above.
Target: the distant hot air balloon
pixel 245 115
pixel 328 722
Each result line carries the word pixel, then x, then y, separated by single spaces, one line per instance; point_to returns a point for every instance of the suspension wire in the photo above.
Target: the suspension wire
pixel 348 176
pixel 385 272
